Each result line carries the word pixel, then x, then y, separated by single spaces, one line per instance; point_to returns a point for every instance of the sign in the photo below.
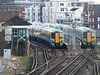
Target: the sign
pixel 15 65
pixel 8 38
pixel 8 32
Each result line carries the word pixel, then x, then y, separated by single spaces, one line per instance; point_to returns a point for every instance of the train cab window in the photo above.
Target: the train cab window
pixel 84 34
pixel 93 34
pixel 61 28
pixel 61 35
pixel 52 35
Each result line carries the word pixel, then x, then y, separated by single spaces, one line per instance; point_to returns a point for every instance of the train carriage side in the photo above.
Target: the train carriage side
pixel 51 35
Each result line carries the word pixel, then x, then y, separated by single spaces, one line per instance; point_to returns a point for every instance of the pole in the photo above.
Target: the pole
pixel 15 71
pixel 74 26
pixel 74 48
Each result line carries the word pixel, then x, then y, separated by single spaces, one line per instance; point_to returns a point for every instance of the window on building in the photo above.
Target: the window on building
pixel 98 26
pixel 89 12
pixel 34 14
pixel 62 9
pixel 92 19
pixel 74 4
pixel 61 4
pixel 28 10
pixel 92 26
pixel 68 4
pixel 28 15
pixel 38 19
pixel 38 10
pixel 33 10
pixel 82 4
pixel 98 18
pixel 36 4
pixel 14 31
pixel 93 13
pixel 50 4
pixel 77 19
pixel 38 14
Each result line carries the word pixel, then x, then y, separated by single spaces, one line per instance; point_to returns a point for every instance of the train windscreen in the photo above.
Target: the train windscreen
pixel 84 35
pixel 52 35
pixel 61 35
pixel 93 34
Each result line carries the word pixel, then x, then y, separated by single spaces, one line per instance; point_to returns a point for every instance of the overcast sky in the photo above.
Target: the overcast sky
pixel 97 1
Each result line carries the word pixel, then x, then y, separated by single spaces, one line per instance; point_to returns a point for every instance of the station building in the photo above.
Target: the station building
pixel 15 36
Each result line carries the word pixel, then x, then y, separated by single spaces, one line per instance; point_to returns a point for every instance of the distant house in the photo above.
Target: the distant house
pixel 22 12
pixel 91 16
pixel 7 15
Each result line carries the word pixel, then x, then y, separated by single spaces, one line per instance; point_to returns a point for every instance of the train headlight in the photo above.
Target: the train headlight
pixel 84 39
pixel 93 39
pixel 61 40
pixel 52 40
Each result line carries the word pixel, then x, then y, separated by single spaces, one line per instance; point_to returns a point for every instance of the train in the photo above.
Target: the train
pixel 54 37
pixel 67 30
pixel 86 35
pixel 80 31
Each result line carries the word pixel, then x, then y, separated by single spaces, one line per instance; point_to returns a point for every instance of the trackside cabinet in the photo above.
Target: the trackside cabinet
pixel 7 53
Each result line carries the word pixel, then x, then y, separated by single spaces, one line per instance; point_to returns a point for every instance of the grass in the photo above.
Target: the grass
pixel 3 72
pixel 23 57
pixel 30 52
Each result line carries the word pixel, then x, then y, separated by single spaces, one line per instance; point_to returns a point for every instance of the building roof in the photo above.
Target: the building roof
pixel 7 15
pixel 73 9
pixel 16 21
pixel 95 7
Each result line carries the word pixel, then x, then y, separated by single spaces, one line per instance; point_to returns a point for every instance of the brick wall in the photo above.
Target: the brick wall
pixel 2 40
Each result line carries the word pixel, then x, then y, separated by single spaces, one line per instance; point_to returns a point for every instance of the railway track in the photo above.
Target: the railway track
pixel 61 55
pixel 60 64
pixel 70 68
pixel 73 66
pixel 44 66
pixel 51 61
pixel 94 67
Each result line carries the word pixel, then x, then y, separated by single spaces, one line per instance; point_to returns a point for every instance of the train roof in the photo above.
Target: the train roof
pixel 48 29
pixel 83 28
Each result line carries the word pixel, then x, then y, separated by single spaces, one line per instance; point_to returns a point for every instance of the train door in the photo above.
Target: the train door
pixel 88 36
pixel 56 37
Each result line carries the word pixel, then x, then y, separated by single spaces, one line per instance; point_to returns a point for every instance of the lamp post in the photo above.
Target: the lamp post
pixel 74 42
